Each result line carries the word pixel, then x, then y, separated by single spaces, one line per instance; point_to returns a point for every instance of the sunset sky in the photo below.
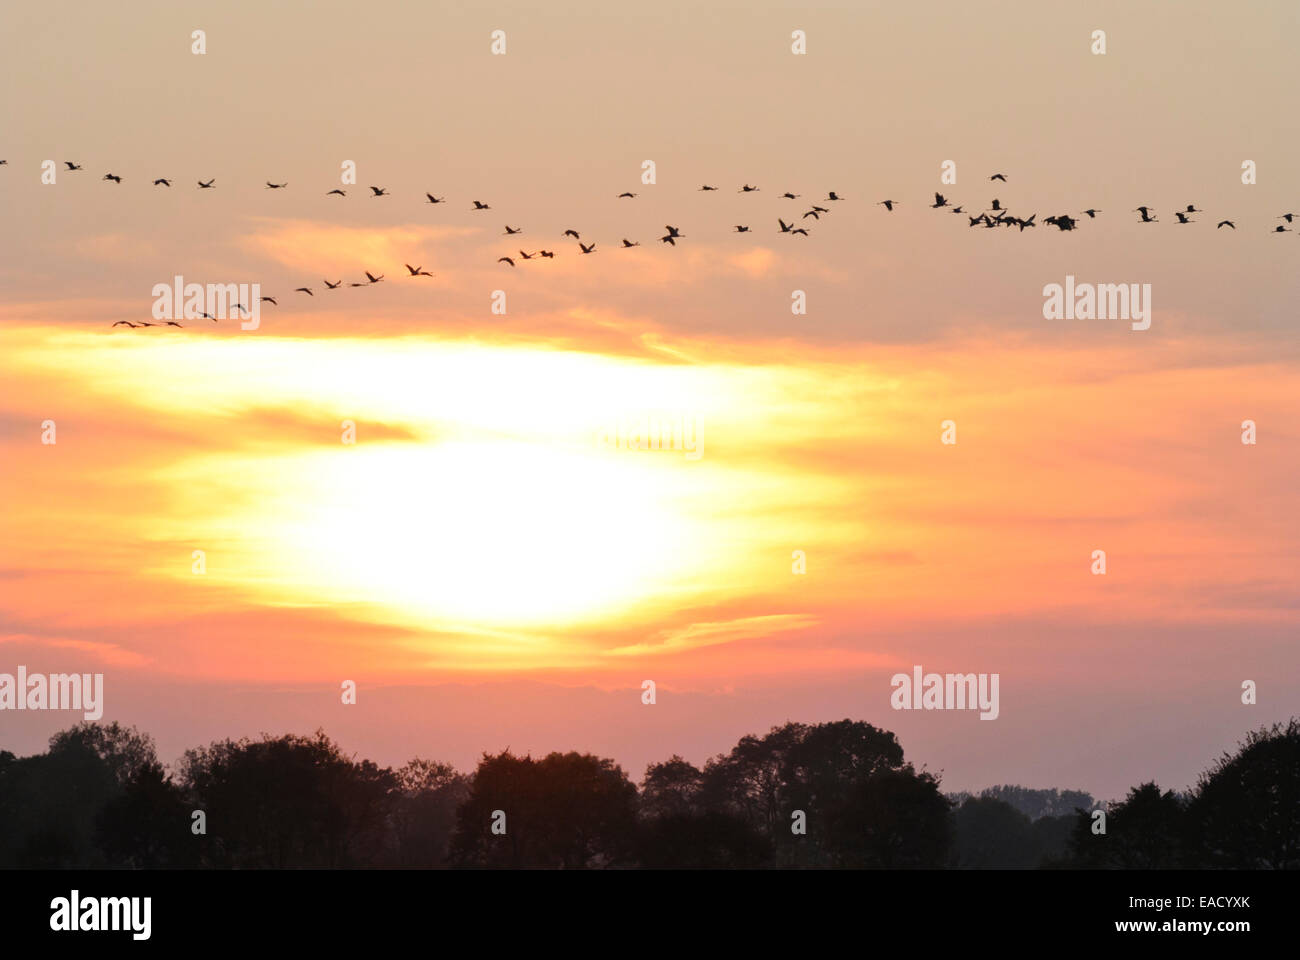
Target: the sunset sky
pixel 484 567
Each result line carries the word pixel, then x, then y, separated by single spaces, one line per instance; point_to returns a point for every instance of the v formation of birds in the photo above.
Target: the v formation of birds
pixel 994 216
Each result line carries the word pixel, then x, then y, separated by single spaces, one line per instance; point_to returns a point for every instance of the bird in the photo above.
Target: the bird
pixel 433 199
pixel 112 176
pixel 208 185
pixel 1226 223
pixel 270 300
pixel 526 256
pixel 975 220
pixel 145 323
pixel 417 271
pixel 997 205
pixel 1288 217
pixel 999 176
pixel 341 193
pixel 124 323
pixel 628 195
pixel 505 260
pixel 673 231
pixel 1191 208
pixel 378 192
pixel 812 213
pixel 162 182
pixel 173 323
pixel 785 227
pixel 208 316
pixel 747 189
pixel 480 205
pixel 371 277
pixel 939 201
pixel 790 196
pixel 628 243
pixel 72 166
pixel 887 204
pixel 800 230
pixel 548 254
pixel 358 284
pixel 1146 215
pixel 1092 213
pixel 958 210
pixel 833 196
pixel 275 186
pixel 571 233
pixel 306 290
pixel 1183 218
pixel 585 248
pixel 707 187
pixel 240 307
pixel 511 230
pixel 1281 229
pixel 740 229
pixel 668 240
pixel 332 286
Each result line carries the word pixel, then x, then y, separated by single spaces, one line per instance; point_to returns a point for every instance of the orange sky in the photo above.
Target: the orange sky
pixel 487 569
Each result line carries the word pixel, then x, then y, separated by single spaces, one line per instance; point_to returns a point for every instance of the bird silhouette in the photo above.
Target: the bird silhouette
pixel 740 229
pixel 785 227
pixel 275 186
pixel 1281 229
pixel 799 230
pixel 208 185
pixel 707 187
pixel 1226 223
pixel 417 271
pixel 812 213
pixel 939 201
pixel 512 230
pixel 1146 215
pixel 747 189
pixel 480 205
pixel 571 233
pixel 673 231
pixel 505 260
pixel 332 286
pixel 306 290
pixel 790 196
pixel 378 192
pixel 1288 217
pixel 162 182
pixel 341 193
pixel 72 166
pixel 549 255
pixel 628 243
pixel 526 256
pixel 127 323
pixel 270 300
pixel 628 195
pixel 112 176
pixel 1182 217
pixel 371 277
pixel 999 176
pixel 585 248
pixel 887 204
pixel 433 199
pixel 833 196
pixel 1092 213
pixel 173 323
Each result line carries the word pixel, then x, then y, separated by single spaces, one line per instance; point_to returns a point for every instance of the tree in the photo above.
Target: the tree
pixel 670 788
pixel 423 811
pixel 992 833
pixel 1146 831
pixel 565 810
pixel 1245 812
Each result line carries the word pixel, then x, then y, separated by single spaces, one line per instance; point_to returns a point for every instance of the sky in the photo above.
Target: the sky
pixel 486 561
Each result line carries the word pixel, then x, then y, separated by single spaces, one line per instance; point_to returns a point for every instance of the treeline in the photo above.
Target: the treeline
pixel 823 795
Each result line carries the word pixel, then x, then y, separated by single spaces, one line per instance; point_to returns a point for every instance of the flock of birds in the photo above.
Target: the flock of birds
pixel 993 216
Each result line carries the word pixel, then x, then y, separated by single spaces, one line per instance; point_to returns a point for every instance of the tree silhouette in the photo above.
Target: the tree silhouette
pixel 1146 831
pixel 1246 809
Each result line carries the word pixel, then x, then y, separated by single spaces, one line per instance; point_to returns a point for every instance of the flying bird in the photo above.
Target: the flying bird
pixel 1092 213
pixel 332 286
pixel 887 204
pixel 1146 215
pixel 1288 217
pixel 378 192
pixel 548 254
pixel 585 248
pixel 999 176
pixel 571 233
pixel 173 323
pixel 833 196
pixel 707 187
pixel 112 176
pixel 1183 218
pixel 939 201
pixel 371 277
pixel 785 227
pixel 1281 229
pixel 628 195
pixel 812 213
pixel 275 186
pixel 306 290
pixel 208 185
pixel 740 229
pixel 1226 223
pixel 162 182
pixel 71 166
pixel 799 230
pixel 480 205
pixel 672 231
pixel 417 271
pixel 433 199
pixel 270 300
pixel 512 230
pixel 747 189
pixel 628 243
pixel 790 196
pixel 526 256
pixel 341 193
pixel 505 260
pixel 126 323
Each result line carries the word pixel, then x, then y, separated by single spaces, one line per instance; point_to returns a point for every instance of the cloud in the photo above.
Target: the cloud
pixel 697 635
